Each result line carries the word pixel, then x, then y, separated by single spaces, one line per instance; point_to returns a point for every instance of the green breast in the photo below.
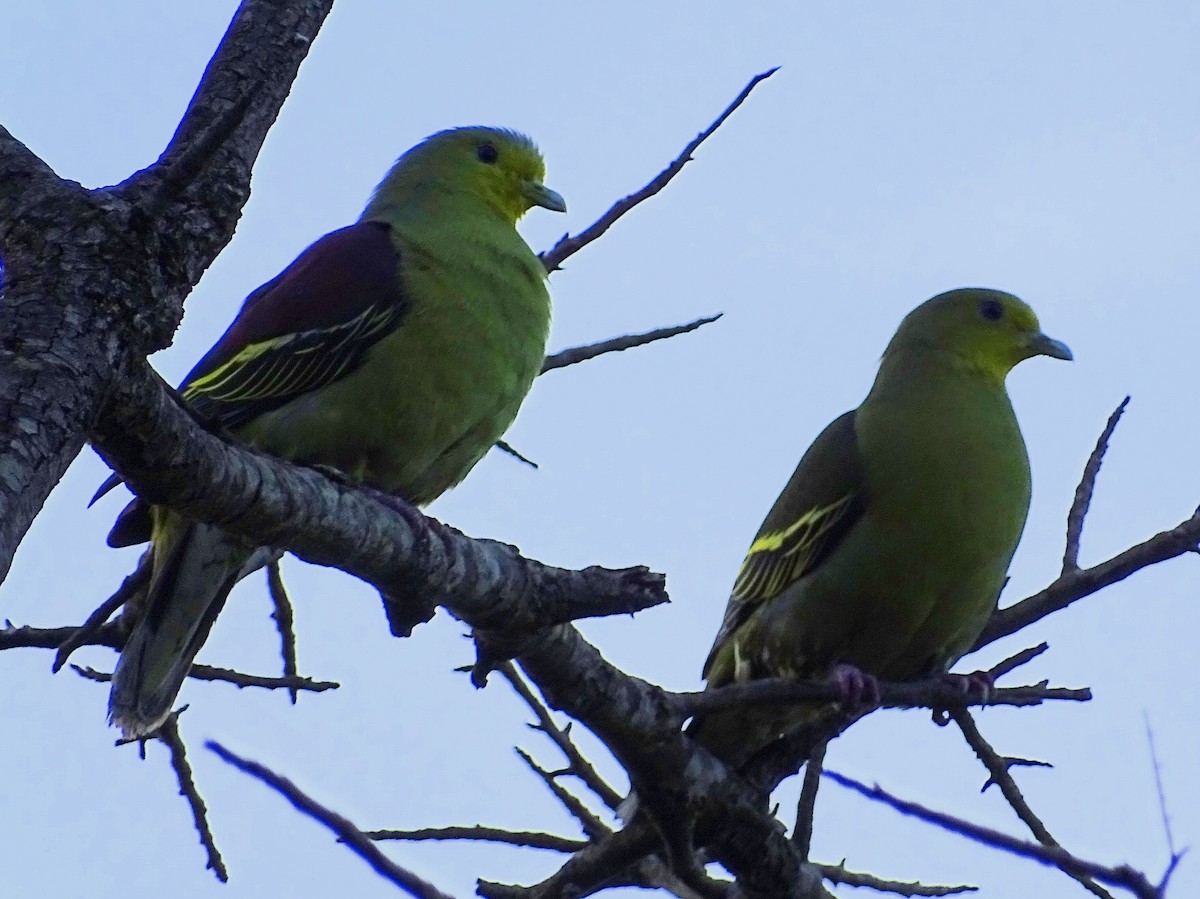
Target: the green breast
pixel 431 398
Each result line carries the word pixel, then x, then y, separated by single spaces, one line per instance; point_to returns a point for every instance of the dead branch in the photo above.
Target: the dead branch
pixel 568 246
pixel 1121 876
pixel 346 832
pixel 168 733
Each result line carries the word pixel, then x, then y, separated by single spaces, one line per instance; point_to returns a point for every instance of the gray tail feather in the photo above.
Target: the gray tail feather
pixel 186 593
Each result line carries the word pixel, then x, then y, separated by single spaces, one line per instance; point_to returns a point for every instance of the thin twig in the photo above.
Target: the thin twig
pixel 568 245
pixel 932 694
pixel 1158 784
pixel 577 354
pixel 1075 585
pixel 1015 661
pixel 103 612
pixel 345 830
pixel 837 874
pixel 505 447
pixel 803 831
pixel 1083 493
pixel 591 825
pixel 579 765
pixel 1121 876
pixel 285 622
pixel 227 675
pixel 168 733
pixel 999 774
pixel 527 838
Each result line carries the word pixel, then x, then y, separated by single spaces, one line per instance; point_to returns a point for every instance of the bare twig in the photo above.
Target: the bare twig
pixel 999 774
pixel 574 355
pixel 345 830
pixel 568 245
pixel 837 874
pixel 591 825
pixel 1075 585
pixel 561 736
pixel 82 634
pixel 803 831
pixel 1016 660
pixel 1083 493
pixel 527 838
pixel 25 637
pixel 1121 876
pixel 168 733
pixel 284 622
pixel 1162 795
pixel 227 675
pixel 933 694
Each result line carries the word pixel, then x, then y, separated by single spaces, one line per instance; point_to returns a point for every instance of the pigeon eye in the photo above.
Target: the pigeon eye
pixel 487 153
pixel 991 310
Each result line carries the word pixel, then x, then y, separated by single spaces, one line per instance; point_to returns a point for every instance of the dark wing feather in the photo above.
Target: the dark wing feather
pixel 308 327
pixel 823 498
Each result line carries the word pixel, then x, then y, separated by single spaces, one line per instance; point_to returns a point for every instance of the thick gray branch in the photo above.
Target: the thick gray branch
pixel 162 452
pixel 95 280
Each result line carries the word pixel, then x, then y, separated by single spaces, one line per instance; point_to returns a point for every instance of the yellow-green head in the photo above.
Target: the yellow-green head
pixel 976 328
pixel 501 167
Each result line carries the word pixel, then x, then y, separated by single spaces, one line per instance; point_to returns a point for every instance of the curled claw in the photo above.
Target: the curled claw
pixel 857 688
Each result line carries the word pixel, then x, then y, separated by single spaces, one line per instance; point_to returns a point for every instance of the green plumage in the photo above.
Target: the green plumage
pixel 397 350
pixel 889 545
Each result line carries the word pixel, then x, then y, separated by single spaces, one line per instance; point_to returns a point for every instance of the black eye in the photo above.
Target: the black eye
pixel 991 310
pixel 487 153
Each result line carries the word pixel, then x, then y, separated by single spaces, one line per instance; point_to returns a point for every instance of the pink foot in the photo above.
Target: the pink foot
pixel 857 688
pixel 976 683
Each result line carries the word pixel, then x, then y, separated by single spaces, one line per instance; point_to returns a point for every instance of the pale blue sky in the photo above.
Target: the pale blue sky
pixel 903 149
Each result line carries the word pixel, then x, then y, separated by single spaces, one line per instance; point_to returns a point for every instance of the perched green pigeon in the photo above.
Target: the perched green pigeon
pixel 885 554
pixel 397 350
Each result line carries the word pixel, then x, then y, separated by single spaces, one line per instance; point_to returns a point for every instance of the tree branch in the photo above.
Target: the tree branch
pixel 284 622
pixel 1083 493
pixel 169 459
pixel 168 733
pixel 239 679
pixel 568 246
pixel 526 838
pixel 561 736
pixel 93 281
pixel 930 694
pixel 837 874
pixel 578 354
pixel 1068 588
pixel 347 833
pixel 999 774
pixel 1122 876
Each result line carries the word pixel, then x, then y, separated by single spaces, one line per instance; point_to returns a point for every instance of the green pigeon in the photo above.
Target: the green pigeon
pixel 885 554
pixel 397 350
